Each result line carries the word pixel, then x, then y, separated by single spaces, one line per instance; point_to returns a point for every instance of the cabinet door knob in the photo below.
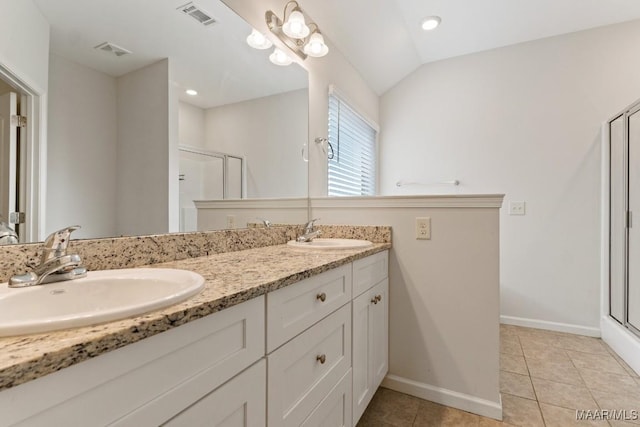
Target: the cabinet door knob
pixel 322 297
pixel 374 300
pixel 378 297
pixel 321 358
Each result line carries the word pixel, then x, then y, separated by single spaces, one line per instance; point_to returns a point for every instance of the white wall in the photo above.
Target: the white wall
pixel 214 215
pixel 270 133
pixel 443 294
pixel 522 120
pixel 331 69
pixel 82 162
pixel 24 47
pixel 191 125
pixel 144 144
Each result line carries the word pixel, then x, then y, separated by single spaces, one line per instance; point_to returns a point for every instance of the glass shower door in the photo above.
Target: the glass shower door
pixel 618 220
pixel 633 257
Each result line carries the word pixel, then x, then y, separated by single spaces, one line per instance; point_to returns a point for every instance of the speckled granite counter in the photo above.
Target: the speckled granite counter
pixel 231 278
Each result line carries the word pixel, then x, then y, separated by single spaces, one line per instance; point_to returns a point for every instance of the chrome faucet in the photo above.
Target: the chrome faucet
pixel 55 264
pixel 309 232
pixel 265 221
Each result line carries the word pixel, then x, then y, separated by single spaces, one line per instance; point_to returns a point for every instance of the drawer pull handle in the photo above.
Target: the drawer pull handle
pixel 321 358
pixel 374 300
pixel 322 297
pixel 379 298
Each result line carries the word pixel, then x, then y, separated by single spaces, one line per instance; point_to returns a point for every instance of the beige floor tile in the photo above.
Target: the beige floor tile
pixel 516 384
pixel 508 331
pixel 538 350
pixel 545 338
pixel 433 415
pixel 510 345
pixel 622 363
pixel 619 401
pixel 555 416
pixel 561 371
pixel 513 363
pixel 608 382
pixel 490 422
pixel 565 395
pixel 521 412
pixel 600 362
pixel 583 344
pixel 389 407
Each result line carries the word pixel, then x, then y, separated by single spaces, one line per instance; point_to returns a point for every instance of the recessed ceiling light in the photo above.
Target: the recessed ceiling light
pixel 431 22
pixel 191 92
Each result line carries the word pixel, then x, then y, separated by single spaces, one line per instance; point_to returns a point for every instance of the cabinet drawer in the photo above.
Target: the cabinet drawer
pixel 295 308
pixel 369 271
pixel 241 402
pixel 150 381
pixel 303 371
pixel 335 409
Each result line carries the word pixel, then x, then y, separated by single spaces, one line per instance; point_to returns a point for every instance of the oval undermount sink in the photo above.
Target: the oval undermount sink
pixel 100 297
pixel 327 244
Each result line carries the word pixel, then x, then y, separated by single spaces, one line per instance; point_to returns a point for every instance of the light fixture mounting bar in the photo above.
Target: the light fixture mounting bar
pixel 275 26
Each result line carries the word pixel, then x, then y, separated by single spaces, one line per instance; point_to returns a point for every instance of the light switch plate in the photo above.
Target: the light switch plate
pixel 517 208
pixel 423 228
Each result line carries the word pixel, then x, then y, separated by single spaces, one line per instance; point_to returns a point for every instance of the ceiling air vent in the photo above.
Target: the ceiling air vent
pixel 198 14
pixel 113 49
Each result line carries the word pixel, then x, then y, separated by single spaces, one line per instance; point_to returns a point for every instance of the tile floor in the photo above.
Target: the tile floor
pixel 544 378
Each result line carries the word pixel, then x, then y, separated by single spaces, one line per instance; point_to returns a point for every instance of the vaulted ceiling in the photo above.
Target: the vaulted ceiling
pixel 384 41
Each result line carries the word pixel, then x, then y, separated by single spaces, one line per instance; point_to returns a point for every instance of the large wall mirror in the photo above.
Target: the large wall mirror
pixel 128 149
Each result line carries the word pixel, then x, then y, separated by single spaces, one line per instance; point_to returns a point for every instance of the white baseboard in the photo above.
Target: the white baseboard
pixel 551 326
pixel 623 342
pixel 443 396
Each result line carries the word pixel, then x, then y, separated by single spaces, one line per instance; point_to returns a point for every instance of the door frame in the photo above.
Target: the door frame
pixel 36 150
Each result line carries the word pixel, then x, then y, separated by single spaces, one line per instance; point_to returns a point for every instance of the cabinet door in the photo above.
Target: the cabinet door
pixel 239 403
pixel 335 409
pixel 617 219
pixel 633 262
pixel 380 333
pixel 370 345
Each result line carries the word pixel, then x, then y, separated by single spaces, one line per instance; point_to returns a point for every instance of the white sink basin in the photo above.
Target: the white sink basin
pixel 327 244
pixel 102 296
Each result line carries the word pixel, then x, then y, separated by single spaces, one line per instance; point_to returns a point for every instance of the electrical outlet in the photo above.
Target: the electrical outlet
pixel 517 208
pixel 231 221
pixel 423 228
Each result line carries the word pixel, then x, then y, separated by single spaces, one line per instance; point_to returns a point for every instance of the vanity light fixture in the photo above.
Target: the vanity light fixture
pixel 279 57
pixel 431 23
pixel 191 92
pixel 257 40
pixel 302 38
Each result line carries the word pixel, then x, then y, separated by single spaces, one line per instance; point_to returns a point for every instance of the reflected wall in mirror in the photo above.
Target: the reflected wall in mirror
pixel 122 130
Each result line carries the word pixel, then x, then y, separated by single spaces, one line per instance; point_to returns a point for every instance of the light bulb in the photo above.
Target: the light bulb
pixel 191 92
pixel 316 46
pixel 295 27
pixel 257 40
pixel 278 57
pixel 430 22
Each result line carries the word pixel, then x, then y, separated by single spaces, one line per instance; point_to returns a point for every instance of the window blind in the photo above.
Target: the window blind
pixel 352 170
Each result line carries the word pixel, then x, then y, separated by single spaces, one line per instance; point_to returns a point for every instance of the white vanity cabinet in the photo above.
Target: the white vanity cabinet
pixel 308 354
pixel 149 382
pixel 370 330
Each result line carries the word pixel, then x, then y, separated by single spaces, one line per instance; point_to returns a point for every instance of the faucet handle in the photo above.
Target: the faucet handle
pixel 56 244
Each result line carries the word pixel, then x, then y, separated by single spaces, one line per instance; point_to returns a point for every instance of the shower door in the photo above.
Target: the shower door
pixel 633 256
pixel 624 226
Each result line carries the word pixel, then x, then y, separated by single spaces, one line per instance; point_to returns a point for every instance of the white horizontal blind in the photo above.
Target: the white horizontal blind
pixel 352 170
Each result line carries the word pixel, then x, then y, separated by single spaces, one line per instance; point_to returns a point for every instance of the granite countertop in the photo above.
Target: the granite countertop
pixel 230 278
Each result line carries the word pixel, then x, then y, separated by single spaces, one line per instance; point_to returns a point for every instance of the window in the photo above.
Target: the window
pixel 352 168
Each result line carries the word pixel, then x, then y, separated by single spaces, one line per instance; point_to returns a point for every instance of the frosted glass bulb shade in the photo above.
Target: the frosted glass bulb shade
pixel 431 22
pixel 295 27
pixel 316 46
pixel 278 57
pixel 257 40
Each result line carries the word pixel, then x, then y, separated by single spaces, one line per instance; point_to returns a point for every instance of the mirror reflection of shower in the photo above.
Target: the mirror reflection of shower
pixel 208 175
